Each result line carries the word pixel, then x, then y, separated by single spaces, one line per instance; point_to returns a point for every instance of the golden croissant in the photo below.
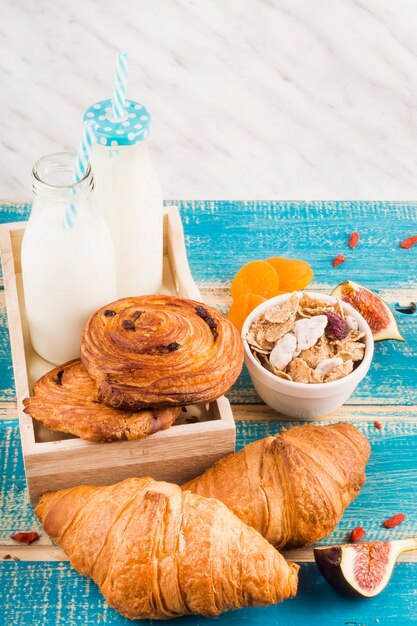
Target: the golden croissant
pixel 65 399
pixel 293 487
pixel 158 552
pixel 160 351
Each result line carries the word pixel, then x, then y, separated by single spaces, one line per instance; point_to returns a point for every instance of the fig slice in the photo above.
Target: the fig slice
pixel 361 569
pixel 375 311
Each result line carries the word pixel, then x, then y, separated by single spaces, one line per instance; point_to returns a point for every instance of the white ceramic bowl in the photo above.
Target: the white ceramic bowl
pixel 303 400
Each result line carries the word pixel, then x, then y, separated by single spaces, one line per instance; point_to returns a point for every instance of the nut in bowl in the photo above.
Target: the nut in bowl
pixel 309 337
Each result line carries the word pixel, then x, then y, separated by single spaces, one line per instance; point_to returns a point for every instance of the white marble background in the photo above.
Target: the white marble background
pixel 285 99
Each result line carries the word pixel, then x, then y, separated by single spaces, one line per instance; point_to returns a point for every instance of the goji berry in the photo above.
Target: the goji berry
pixel 378 425
pixel 25 537
pixel 409 242
pixel 338 260
pixel 394 521
pixel 357 534
pixel 353 241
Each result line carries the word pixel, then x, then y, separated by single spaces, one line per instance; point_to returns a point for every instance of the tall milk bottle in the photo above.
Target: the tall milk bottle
pixel 128 195
pixel 68 263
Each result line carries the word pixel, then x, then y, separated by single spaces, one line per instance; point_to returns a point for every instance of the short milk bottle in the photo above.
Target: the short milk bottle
pixel 128 195
pixel 68 263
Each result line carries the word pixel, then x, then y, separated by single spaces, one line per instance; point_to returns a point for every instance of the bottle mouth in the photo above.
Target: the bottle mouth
pixel 52 175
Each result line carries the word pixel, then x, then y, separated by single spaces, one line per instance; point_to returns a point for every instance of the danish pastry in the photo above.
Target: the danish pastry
pixel 160 350
pixel 65 400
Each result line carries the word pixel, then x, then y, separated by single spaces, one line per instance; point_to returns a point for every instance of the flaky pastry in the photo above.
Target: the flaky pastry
pixel 159 351
pixel 66 400
pixel 157 552
pixel 292 487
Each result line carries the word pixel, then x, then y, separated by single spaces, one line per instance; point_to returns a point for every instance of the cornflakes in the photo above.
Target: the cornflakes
pixel 290 341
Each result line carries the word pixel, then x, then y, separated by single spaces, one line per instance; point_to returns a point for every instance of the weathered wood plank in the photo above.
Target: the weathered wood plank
pixel 40 552
pixel 54 594
pixel 8 412
pixel 222 236
pixel 348 412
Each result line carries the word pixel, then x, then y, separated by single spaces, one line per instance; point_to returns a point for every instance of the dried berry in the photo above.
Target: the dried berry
pixel 209 320
pixel 58 379
pixel 109 313
pixel 378 425
pixel 129 325
pixel 337 327
pixel 394 521
pixel 409 242
pixel 353 241
pixel 338 260
pixel 25 537
pixel 170 347
pixel 7 557
pixel 357 534
pixel 136 315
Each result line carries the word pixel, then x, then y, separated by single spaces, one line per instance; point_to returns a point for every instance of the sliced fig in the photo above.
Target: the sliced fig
pixel 375 311
pixel 361 569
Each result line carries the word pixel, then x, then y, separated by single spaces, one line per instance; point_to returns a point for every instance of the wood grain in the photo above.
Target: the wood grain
pixel 220 237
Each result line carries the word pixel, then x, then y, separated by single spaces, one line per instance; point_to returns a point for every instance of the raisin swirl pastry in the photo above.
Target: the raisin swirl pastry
pixel 160 350
pixel 65 400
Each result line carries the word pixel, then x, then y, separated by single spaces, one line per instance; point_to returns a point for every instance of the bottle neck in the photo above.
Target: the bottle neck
pixel 53 179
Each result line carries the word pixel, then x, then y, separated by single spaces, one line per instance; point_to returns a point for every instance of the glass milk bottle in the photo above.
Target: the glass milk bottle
pixel 68 261
pixel 128 195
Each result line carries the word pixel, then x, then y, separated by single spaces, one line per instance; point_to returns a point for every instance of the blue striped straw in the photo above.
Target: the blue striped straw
pixel 81 164
pixel 120 84
pixel 84 151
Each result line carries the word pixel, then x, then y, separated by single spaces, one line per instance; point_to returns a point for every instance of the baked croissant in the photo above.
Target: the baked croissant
pixel 293 487
pixel 160 350
pixel 65 399
pixel 157 552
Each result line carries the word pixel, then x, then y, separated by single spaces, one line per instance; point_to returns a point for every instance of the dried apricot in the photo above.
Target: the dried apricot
pixel 256 277
pixel 293 274
pixel 241 308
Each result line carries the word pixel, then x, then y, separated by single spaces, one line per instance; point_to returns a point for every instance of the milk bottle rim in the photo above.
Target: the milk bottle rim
pixel 48 174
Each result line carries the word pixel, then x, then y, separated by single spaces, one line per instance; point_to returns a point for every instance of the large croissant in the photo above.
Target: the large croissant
pixel 157 552
pixel 293 487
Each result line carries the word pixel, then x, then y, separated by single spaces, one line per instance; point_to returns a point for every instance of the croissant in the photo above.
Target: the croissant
pixel 157 552
pixel 65 399
pixel 160 350
pixel 293 487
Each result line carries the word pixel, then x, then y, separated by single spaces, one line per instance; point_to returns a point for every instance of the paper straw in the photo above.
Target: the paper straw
pixel 120 84
pixel 81 163
pixel 84 151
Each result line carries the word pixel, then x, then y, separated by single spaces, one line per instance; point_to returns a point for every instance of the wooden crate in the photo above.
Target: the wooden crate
pixel 56 461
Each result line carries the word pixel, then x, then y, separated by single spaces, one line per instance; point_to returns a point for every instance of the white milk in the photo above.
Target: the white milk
pixel 128 195
pixel 68 273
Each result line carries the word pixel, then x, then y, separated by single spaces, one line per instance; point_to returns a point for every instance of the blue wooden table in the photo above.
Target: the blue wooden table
pixel 222 236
